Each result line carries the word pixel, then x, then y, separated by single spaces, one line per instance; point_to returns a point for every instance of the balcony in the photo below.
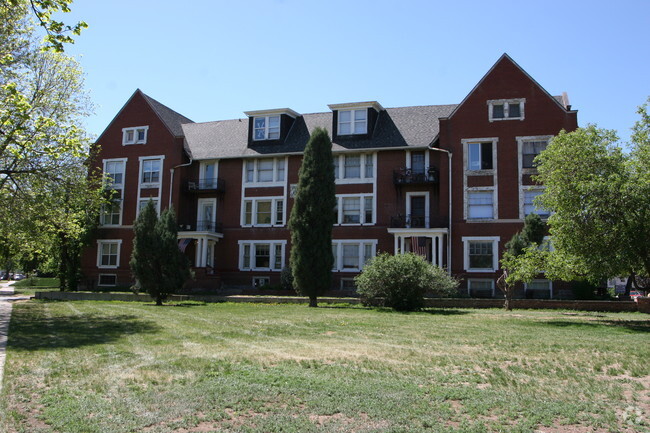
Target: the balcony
pixel 408 176
pixel 206 185
pixel 417 222
pixel 202 226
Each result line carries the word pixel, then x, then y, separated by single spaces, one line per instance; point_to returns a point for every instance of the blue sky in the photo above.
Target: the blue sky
pixel 213 60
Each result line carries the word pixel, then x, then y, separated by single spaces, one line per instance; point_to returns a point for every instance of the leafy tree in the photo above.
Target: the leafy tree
pixel 312 218
pixel 160 268
pixel 520 260
pixel 401 281
pixel 600 198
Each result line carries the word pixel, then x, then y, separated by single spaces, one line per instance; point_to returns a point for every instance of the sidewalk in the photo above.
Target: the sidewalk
pixel 6 298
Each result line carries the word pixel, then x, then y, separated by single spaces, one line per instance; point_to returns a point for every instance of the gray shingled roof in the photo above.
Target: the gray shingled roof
pixel 395 127
pixel 172 119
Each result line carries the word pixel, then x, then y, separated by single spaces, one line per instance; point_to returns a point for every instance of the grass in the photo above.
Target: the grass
pixel 127 367
pixel 30 285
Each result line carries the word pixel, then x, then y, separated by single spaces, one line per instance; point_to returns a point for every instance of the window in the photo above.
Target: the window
pixel 265 171
pixel 354 209
pixel 259 282
pixel 261 255
pixel 150 171
pixel 481 253
pixel 351 255
pixel 137 135
pixel 348 285
pixel 108 253
pixel 506 109
pixel 114 171
pixel 266 128
pixel 111 213
pixel 477 288
pixel 479 156
pixel 530 149
pixel 143 203
pixel 267 211
pixel 480 204
pixel 106 280
pixel 352 122
pixel 529 203
pixel 539 289
pixel 354 168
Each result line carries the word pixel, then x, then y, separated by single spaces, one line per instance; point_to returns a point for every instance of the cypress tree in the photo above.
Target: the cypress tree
pixel 312 218
pixel 159 267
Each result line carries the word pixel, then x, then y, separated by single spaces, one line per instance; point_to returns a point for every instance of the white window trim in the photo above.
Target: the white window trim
pixel 254 182
pixel 522 191
pixel 485 172
pixel 520 152
pixel 550 286
pixel 199 205
pixel 135 135
pixel 272 244
pixel 123 161
pixel 155 199
pixel 427 205
pixel 101 217
pixel 469 280
pixel 266 279
pixel 255 200
pixel 338 243
pixel 266 127
pixel 101 242
pixel 203 169
pixel 495 252
pixel 491 189
pixel 362 210
pixel 339 159
pixel 99 278
pixel 352 121
pixel 147 185
pixel 506 102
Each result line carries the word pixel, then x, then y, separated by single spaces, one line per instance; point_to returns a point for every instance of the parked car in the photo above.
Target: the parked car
pixel 18 277
pixel 634 294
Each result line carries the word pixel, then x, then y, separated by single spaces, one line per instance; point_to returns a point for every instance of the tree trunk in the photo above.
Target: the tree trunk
pixel 507 305
pixel 159 300
pixel 313 301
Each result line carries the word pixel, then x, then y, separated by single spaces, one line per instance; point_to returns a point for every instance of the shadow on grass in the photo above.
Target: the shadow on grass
pixel 30 333
pixel 631 325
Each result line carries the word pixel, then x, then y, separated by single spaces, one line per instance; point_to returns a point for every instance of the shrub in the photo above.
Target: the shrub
pixel 401 281
pixel 286 278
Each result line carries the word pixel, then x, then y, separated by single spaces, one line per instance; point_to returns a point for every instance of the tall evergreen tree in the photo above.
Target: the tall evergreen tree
pixel 312 218
pixel 160 268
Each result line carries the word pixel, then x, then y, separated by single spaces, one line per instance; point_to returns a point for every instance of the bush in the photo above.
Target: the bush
pixel 401 281
pixel 286 278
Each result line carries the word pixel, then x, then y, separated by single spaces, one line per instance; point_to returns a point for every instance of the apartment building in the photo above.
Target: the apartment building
pixel 450 182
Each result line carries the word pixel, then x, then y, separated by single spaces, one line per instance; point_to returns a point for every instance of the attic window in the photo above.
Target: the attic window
pixel 353 122
pixel 137 135
pixel 506 109
pixel 266 128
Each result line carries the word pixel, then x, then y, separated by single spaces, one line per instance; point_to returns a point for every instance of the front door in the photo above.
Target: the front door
pixel 418 211
pixel 206 215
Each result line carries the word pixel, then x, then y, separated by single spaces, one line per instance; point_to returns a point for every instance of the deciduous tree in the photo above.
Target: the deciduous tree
pixel 312 218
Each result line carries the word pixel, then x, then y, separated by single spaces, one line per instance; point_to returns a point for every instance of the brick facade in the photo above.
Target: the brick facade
pixel 232 193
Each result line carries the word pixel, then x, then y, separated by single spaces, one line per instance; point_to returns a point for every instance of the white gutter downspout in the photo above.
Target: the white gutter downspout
pixel 171 179
pixel 449 232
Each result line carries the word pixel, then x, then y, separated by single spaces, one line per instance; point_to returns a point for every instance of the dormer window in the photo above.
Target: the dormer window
pixel 137 135
pixel 266 128
pixel 353 122
pixel 506 109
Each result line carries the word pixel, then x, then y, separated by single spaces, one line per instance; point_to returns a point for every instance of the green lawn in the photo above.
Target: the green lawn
pixel 127 367
pixel 30 285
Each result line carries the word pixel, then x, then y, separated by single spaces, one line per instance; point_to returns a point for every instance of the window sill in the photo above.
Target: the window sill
pixel 498 119
pixel 487 172
pixel 107 267
pixel 480 270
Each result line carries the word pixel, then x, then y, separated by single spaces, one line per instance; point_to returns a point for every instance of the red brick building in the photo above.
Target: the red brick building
pixel 400 172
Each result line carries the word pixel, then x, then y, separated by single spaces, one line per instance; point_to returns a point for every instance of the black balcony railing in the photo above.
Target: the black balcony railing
pixel 202 226
pixel 417 222
pixel 409 176
pixel 206 185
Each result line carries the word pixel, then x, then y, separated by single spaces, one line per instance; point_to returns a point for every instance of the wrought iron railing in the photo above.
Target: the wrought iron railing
pixel 211 184
pixel 202 226
pixel 409 176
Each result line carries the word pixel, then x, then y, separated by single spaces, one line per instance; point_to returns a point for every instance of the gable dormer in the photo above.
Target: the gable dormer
pixel 269 126
pixel 355 119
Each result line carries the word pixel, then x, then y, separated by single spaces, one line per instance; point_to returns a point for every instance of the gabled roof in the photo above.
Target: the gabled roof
pixel 395 127
pixel 170 118
pixel 506 58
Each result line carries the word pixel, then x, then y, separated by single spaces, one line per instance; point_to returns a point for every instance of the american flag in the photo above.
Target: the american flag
pixel 183 243
pixel 419 246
